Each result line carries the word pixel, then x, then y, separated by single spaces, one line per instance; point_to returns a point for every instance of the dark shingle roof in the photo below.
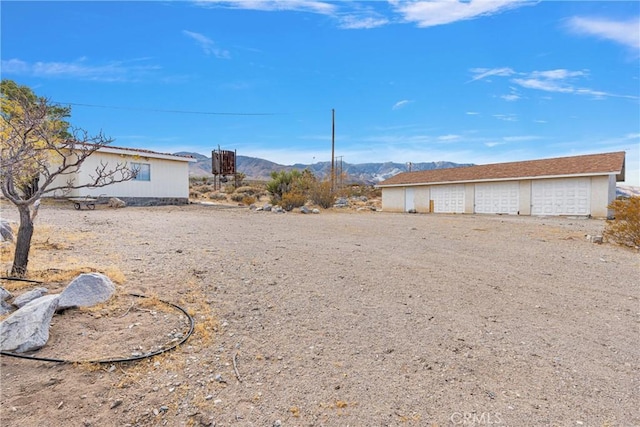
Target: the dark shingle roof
pixel 587 165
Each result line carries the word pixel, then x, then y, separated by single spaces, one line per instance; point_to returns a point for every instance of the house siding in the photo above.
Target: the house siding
pixel 168 183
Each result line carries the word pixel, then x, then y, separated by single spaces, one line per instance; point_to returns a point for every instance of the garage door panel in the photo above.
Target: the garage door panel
pixel 497 198
pixel 448 198
pixel 569 196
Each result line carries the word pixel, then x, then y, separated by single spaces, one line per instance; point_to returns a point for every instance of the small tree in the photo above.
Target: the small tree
pixel 40 154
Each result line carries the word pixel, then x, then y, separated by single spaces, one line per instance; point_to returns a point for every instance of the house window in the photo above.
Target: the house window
pixel 142 171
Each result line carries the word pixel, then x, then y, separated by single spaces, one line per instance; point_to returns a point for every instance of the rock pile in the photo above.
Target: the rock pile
pixel 27 328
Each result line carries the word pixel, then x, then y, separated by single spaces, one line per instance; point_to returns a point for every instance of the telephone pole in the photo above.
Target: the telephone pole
pixel 333 148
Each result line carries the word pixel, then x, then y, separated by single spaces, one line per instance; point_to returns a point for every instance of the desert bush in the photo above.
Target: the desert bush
pixel 320 194
pixel 282 182
pixel 248 190
pixel 237 197
pixel 248 200
pixel 292 199
pixel 217 196
pixel 624 229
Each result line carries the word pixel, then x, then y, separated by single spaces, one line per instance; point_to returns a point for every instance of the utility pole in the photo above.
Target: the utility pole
pixel 333 149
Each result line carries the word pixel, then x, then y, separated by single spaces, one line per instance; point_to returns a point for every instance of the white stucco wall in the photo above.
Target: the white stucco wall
pixel 393 199
pixel 168 178
pixel 603 192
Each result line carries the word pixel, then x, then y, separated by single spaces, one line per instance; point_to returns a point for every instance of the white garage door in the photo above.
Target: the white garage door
pixel 497 198
pixel 448 198
pixel 570 196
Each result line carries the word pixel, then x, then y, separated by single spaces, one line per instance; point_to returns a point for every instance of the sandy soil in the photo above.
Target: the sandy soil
pixel 339 319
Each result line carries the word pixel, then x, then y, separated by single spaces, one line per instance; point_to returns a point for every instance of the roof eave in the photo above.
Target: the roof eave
pixel 134 152
pixel 619 177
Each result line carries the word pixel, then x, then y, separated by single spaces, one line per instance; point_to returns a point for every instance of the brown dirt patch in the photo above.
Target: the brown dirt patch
pixel 343 318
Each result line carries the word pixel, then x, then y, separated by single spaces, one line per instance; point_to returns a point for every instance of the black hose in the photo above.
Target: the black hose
pixel 126 359
pixel 20 279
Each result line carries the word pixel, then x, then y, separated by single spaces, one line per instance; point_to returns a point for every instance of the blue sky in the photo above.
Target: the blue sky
pixel 467 82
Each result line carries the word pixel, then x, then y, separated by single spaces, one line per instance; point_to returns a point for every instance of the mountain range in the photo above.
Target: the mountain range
pixel 363 173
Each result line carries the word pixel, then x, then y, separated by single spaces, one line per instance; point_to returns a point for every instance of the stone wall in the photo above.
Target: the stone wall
pixel 154 201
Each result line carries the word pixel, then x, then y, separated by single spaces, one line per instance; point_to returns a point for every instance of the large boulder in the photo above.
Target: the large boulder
pixel 27 329
pixel 114 202
pixel 27 297
pixel 86 290
pixel 5 307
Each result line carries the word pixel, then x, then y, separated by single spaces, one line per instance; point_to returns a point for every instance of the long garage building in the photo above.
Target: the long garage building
pixel 573 186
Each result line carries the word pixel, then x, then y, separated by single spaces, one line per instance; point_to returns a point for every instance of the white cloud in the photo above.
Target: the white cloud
pixel 472 113
pixel 623 32
pixel 448 138
pixel 559 74
pixel 506 117
pixel 541 84
pixel 208 46
pixel 110 72
pixel 521 138
pixel 483 73
pixel 321 7
pixel 359 15
pixel 511 97
pixel 358 22
pixel 558 80
pixel 15 66
pixel 432 13
pixel 400 104
pixel 493 144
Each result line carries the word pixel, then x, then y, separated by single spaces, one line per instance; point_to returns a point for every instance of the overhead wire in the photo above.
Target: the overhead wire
pixel 158 110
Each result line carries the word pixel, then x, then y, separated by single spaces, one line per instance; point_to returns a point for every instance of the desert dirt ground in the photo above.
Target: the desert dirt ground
pixel 343 318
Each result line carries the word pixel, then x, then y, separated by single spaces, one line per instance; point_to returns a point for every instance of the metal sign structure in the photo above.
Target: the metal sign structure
pixel 223 164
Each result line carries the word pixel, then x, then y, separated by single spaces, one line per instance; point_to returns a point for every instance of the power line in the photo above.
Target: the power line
pixel 155 110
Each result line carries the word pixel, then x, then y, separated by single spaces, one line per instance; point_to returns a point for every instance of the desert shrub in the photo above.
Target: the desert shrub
pixel 624 229
pixel 282 182
pixel 237 197
pixel 292 199
pixel 217 196
pixel 248 200
pixel 320 194
pixel 248 190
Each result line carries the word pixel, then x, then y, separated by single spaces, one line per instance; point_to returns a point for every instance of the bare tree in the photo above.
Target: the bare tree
pixel 41 154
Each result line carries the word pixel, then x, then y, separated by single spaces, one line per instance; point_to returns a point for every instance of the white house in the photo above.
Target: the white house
pixel 577 185
pixel 161 179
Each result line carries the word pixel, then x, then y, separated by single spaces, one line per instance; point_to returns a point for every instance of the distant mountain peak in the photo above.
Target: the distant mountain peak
pixel 366 173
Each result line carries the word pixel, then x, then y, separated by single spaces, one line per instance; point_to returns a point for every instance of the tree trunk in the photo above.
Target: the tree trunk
pixel 23 242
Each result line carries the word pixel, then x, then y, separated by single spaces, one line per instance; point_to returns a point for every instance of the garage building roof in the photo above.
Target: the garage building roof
pixel 586 165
